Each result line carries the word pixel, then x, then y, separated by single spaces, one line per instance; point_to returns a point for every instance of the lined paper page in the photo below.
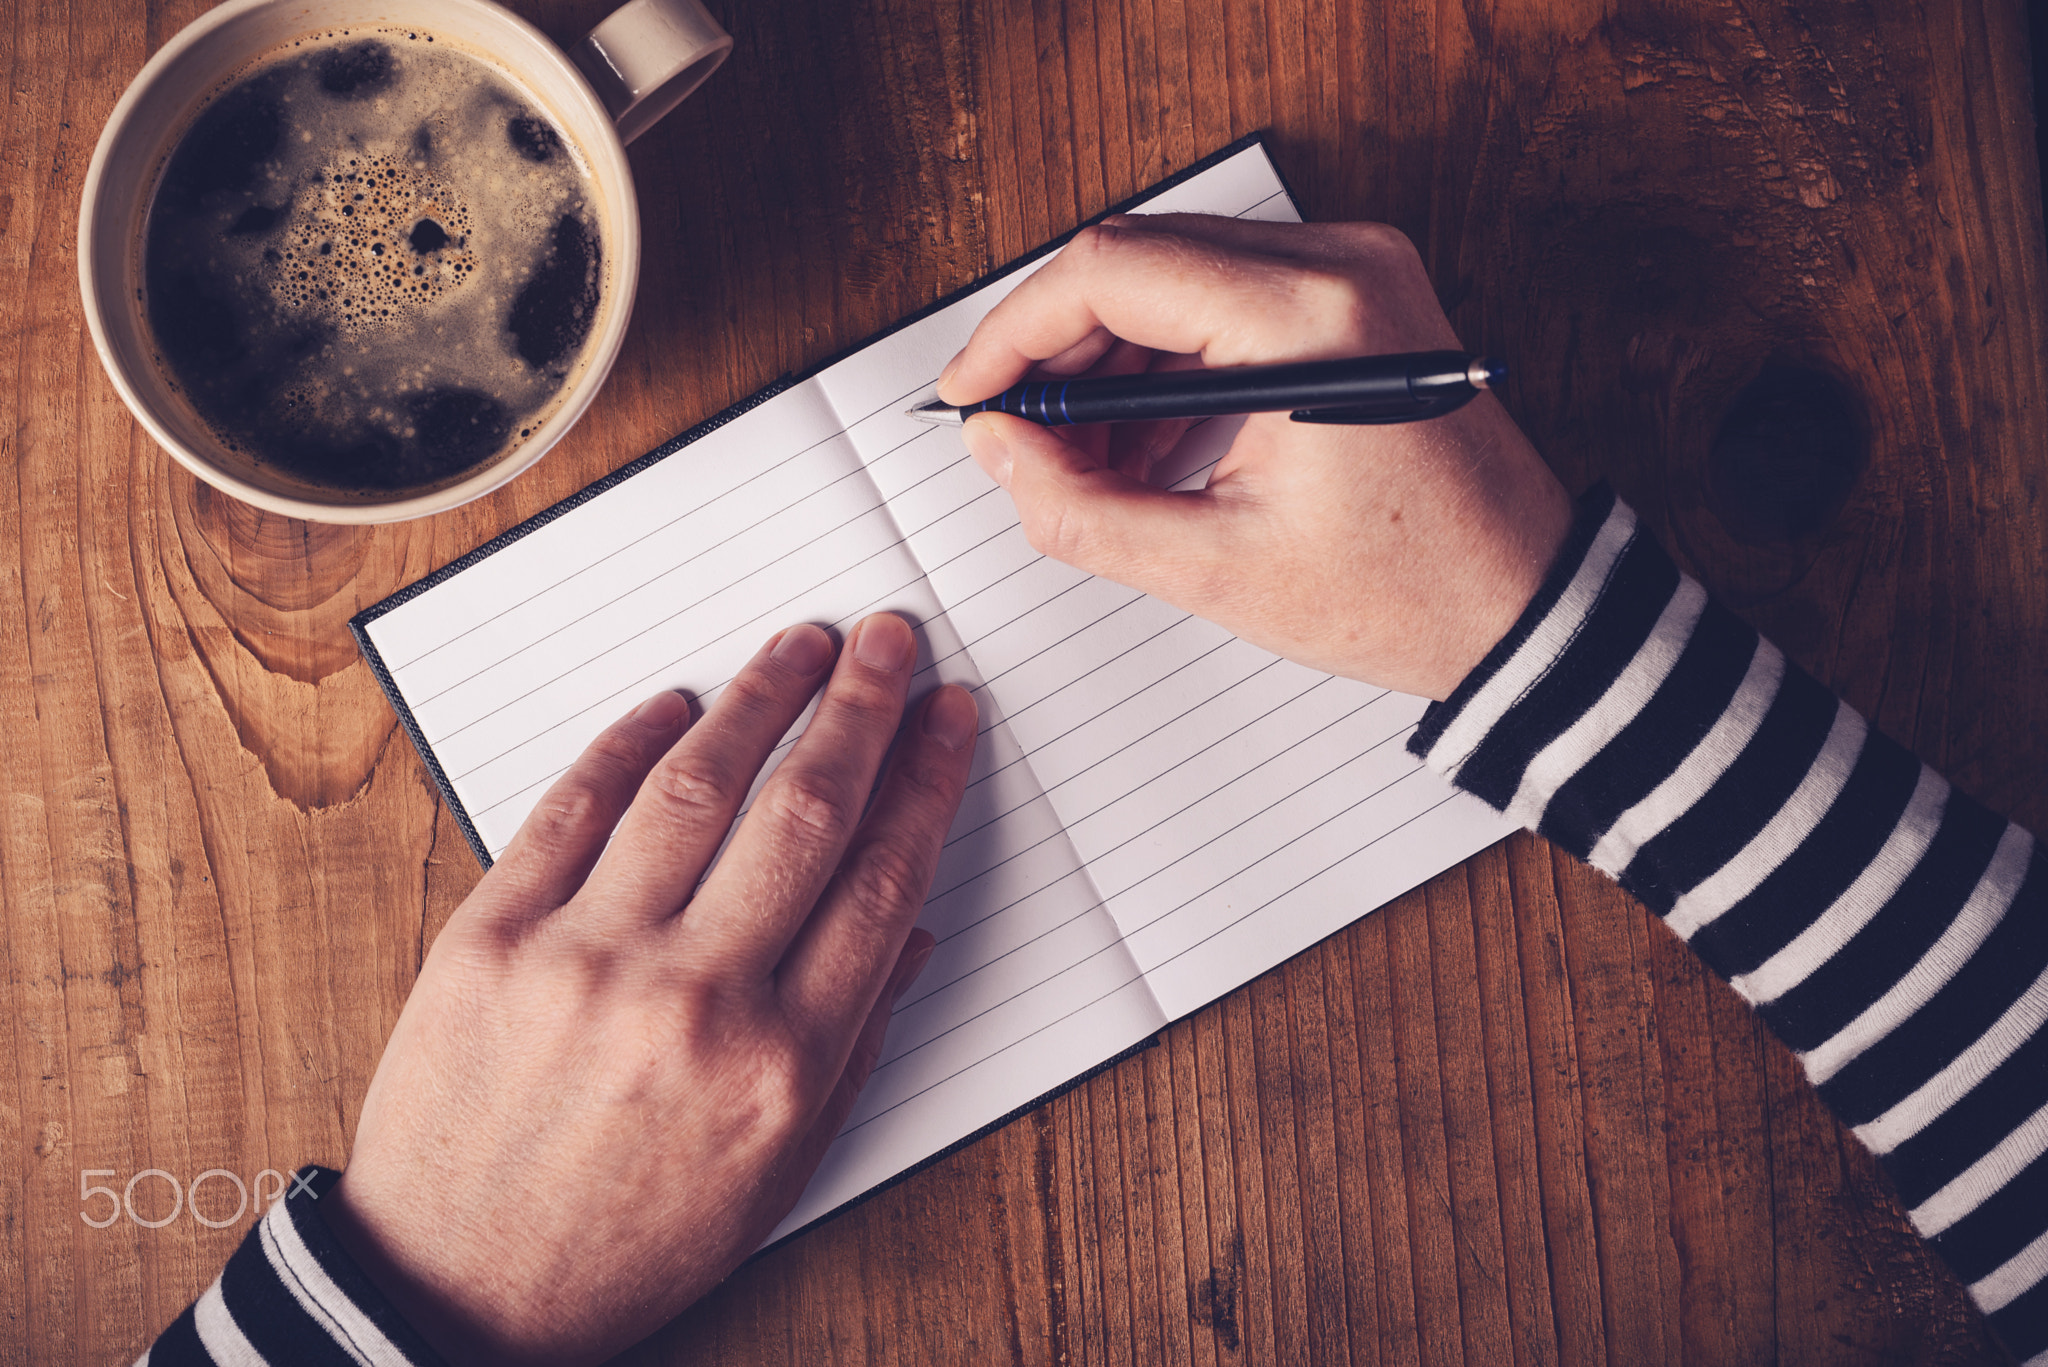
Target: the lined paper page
pixel 1156 812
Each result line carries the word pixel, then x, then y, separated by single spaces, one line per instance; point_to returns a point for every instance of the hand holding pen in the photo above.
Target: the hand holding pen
pixel 1397 554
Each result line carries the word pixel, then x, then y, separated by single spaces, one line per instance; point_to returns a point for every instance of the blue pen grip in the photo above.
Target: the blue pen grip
pixel 1042 402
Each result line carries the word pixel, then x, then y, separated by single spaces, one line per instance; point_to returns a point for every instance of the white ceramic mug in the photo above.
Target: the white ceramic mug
pixel 632 69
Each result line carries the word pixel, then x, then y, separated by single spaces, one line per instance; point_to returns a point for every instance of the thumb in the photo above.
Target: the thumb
pixel 1095 518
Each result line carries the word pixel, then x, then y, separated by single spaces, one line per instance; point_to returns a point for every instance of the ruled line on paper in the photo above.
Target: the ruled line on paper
pixel 954 838
pixel 711 693
pixel 643 584
pixel 1145 973
pixel 936 988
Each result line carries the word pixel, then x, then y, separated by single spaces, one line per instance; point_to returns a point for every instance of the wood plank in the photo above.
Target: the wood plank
pixel 1496 1004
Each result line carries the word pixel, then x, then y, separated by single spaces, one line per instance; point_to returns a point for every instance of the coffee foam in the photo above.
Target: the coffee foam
pixel 358 236
pixel 409 205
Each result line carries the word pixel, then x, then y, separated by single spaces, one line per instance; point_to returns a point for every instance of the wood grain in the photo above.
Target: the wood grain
pixel 1507 1119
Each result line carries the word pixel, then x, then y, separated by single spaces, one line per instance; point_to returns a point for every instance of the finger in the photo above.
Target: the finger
pixel 1098 519
pixel 786 850
pixel 839 959
pixel 1120 358
pixel 1326 244
pixel 1403 312
pixel 683 809
pixel 1081 356
pixel 563 835
pixel 1161 291
pixel 864 1053
pixel 1137 447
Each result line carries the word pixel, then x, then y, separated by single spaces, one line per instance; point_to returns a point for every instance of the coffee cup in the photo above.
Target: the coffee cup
pixel 627 73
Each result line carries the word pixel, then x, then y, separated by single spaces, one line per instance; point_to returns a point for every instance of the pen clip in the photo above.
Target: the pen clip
pixel 1410 410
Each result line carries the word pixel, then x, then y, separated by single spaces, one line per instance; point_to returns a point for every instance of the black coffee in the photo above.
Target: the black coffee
pixel 371 265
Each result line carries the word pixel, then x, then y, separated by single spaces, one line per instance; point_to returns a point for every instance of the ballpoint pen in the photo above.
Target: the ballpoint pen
pixel 1407 387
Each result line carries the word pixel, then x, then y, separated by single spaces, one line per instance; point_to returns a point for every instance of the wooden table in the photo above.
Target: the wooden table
pixel 1507 1118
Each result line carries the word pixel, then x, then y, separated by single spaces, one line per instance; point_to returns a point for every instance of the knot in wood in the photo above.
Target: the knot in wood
pixel 1786 455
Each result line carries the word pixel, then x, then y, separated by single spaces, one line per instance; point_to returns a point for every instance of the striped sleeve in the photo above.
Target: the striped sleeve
pixel 1889 929
pixel 290 1294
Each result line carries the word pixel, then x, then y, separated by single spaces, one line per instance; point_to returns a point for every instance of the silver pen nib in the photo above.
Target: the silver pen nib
pixel 937 413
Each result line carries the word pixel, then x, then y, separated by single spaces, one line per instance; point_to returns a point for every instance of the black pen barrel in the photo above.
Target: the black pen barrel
pixel 1358 381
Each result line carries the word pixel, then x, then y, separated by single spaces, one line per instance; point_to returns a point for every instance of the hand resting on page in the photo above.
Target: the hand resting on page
pixel 607 1088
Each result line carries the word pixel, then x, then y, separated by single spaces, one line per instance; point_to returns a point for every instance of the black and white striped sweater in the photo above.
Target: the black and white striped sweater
pixel 290 1296
pixel 1890 930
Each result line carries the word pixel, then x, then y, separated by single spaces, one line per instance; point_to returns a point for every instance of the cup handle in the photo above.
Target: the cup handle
pixel 647 56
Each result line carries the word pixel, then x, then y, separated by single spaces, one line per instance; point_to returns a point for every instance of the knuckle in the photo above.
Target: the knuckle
pixel 883 880
pixel 779 1093
pixel 809 802
pixel 617 747
pixel 1056 527
pixel 863 704
pixel 688 788
pixel 565 812
pixel 688 1022
pixel 1103 247
pixel 751 694
pixel 932 781
pixel 1383 239
pixel 1096 239
pixel 1339 301
pixel 497 919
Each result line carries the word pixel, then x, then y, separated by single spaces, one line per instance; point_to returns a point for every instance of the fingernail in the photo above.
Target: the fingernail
pixel 910 971
pixel 662 710
pixel 947 373
pixel 951 717
pixel 988 448
pixel 803 649
pixel 885 643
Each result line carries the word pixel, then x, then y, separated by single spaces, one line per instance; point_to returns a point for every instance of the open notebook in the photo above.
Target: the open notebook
pixel 1157 812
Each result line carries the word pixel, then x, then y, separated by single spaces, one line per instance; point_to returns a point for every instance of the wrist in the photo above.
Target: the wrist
pixel 451 1303
pixel 1501 537
pixel 1523 544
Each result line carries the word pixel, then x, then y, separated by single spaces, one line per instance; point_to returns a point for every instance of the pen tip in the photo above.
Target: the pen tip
pixel 944 414
pixel 1486 374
